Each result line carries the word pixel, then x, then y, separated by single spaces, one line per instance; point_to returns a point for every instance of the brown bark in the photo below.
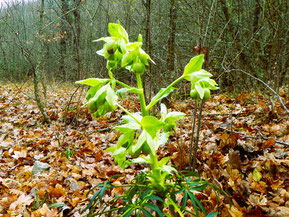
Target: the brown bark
pixel 76 15
pixel 171 44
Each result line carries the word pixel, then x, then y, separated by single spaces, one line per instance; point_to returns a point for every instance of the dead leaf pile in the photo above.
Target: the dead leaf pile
pixel 47 170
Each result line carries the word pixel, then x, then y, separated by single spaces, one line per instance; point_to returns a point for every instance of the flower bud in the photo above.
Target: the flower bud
pixel 138 67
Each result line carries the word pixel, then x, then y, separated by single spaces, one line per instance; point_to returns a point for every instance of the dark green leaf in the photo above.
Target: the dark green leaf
pixel 153 207
pixel 194 198
pixel 154 197
pixel 185 200
pixel 146 213
pixel 212 214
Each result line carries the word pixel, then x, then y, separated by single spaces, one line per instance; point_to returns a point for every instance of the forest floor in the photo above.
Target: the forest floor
pixel 244 149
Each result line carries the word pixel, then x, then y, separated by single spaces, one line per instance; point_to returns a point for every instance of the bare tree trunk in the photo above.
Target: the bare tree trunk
pixel 62 49
pixel 77 37
pixel 171 42
pixel 38 71
pixel 148 43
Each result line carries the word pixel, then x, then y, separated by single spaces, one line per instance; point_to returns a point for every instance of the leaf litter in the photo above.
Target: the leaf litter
pixel 244 149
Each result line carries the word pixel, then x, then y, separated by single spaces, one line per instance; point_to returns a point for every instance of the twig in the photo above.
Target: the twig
pixel 276 94
pixel 254 137
pixel 65 122
pixel 198 135
pixel 193 132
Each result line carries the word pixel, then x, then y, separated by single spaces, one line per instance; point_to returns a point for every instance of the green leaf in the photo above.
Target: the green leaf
pixel 212 214
pixel 209 83
pixel 113 29
pixel 127 59
pixel 111 149
pixel 164 161
pixel 198 76
pixel 133 46
pixel 128 212
pixel 163 138
pixel 151 143
pixel 151 124
pixel 257 176
pixel 120 156
pixel 126 139
pixel 102 192
pixel 160 95
pixel 129 126
pixel 140 160
pixel 106 39
pixel 56 205
pixel 129 119
pixel 168 169
pixel 200 90
pixel 172 117
pixel 142 138
pixel 194 204
pixel 121 91
pixel 93 81
pixel 164 111
pixel 111 97
pixel 116 30
pixel 185 200
pixel 153 207
pixel 175 206
pixel 194 65
pixel 101 52
pixel 195 199
pixel 146 213
pixel 154 197
pixel 144 55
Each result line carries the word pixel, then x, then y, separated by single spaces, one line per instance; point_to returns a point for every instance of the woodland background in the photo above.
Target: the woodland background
pixel 47 45
pixel 54 38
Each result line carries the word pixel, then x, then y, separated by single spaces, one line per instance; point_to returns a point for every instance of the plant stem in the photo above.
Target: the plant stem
pixel 141 95
pixel 193 133
pixel 198 135
pixel 171 85
pixel 123 84
pixel 174 82
pixel 128 113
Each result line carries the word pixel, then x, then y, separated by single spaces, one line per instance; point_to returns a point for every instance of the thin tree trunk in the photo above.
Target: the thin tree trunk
pixel 38 71
pixel 171 42
pixel 148 44
pixel 77 37
pixel 62 49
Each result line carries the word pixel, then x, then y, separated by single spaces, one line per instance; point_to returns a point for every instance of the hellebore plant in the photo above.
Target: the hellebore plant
pixel 142 133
